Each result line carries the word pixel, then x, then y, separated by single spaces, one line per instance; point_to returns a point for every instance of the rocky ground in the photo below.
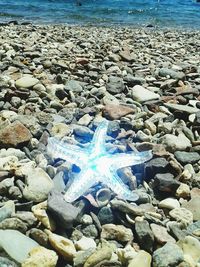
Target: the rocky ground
pixel 61 81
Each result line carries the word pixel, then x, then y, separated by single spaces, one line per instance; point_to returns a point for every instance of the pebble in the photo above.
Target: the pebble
pixel 7 210
pixel 142 259
pixel 193 207
pixel 174 143
pixel 85 243
pixel 182 215
pixel 141 94
pixel 115 112
pixel 169 255
pixel 161 235
pixel 116 232
pixel 187 157
pixel 40 256
pixel 26 82
pixel 169 203
pixel 145 235
pixel 99 255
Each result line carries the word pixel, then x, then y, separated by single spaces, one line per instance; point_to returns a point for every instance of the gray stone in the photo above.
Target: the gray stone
pixel 133 80
pixel 174 143
pixel 4 262
pixel 145 235
pixel 115 85
pixel 187 157
pixel 90 231
pixel 73 86
pixel 14 224
pixel 7 210
pixel 105 215
pixel 183 108
pixel 171 73
pixel 166 183
pixel 169 255
pixel 156 165
pixel 65 214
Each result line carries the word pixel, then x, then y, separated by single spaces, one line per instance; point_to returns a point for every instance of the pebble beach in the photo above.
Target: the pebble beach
pixel 62 81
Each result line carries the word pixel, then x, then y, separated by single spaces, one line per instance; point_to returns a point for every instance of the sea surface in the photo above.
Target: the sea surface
pixel 161 13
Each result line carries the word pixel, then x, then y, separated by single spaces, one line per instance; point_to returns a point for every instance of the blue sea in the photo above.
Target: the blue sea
pixel 161 13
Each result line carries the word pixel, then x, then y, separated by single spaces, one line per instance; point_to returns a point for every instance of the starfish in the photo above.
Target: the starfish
pixel 96 164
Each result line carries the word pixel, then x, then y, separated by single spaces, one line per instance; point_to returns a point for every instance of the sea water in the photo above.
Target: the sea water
pixel 163 13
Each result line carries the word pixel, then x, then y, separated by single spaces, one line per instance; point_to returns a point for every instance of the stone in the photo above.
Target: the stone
pixel 144 235
pixel 116 232
pixel 174 143
pixel 40 256
pixel 182 108
pixel 85 243
pixel 182 215
pixel 155 166
pixel 187 157
pixel 115 85
pixel 90 231
pixel 142 259
pixel 14 224
pixel 161 235
pixel 99 255
pixel 169 203
pixel 62 245
pixel 140 94
pixel 105 215
pixel 115 112
pixel 192 228
pixel 14 135
pixel 38 184
pixel 126 55
pixel 177 75
pixel 133 80
pixel 7 210
pixel 39 236
pixel 191 249
pixel 81 257
pixel 64 213
pixel 193 207
pixel 73 86
pixel 169 255
pixel 183 191
pixel 40 213
pixel 120 205
pixel 26 82
pixel 10 240
pixel 165 182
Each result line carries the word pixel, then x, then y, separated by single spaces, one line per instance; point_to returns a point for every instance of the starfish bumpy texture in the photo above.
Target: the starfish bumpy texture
pixel 96 164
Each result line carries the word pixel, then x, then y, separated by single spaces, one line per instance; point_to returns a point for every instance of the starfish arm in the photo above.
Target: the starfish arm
pixel 71 153
pixel 81 184
pixel 124 160
pixel 98 140
pixel 112 180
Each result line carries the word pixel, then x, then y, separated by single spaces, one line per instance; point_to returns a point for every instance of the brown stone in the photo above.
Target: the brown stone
pixel 14 135
pixel 115 112
pixel 161 234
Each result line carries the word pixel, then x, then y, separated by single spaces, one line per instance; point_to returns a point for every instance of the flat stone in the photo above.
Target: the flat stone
pixel 155 166
pixel 161 234
pixel 26 82
pixel 14 224
pixel 142 259
pixel 177 75
pixel 73 86
pixel 10 240
pixel 115 112
pixel 187 157
pixel 116 232
pixel 174 143
pixel 42 257
pixel 183 108
pixel 182 215
pixel 166 183
pixel 140 94
pixel 193 206
pixel 81 257
pixel 64 213
pixel 14 135
pixel 169 255
pixel 144 235
pixel 38 184
pixel 169 203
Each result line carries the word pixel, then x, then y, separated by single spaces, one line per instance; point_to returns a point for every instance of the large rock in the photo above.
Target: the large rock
pixel 177 75
pixel 169 255
pixel 14 135
pixel 187 157
pixel 140 94
pixel 116 232
pixel 26 82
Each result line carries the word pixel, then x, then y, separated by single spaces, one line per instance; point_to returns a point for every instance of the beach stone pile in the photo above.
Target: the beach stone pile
pixel 62 81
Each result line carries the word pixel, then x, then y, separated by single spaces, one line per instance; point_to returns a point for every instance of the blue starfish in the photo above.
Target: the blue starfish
pixel 96 164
